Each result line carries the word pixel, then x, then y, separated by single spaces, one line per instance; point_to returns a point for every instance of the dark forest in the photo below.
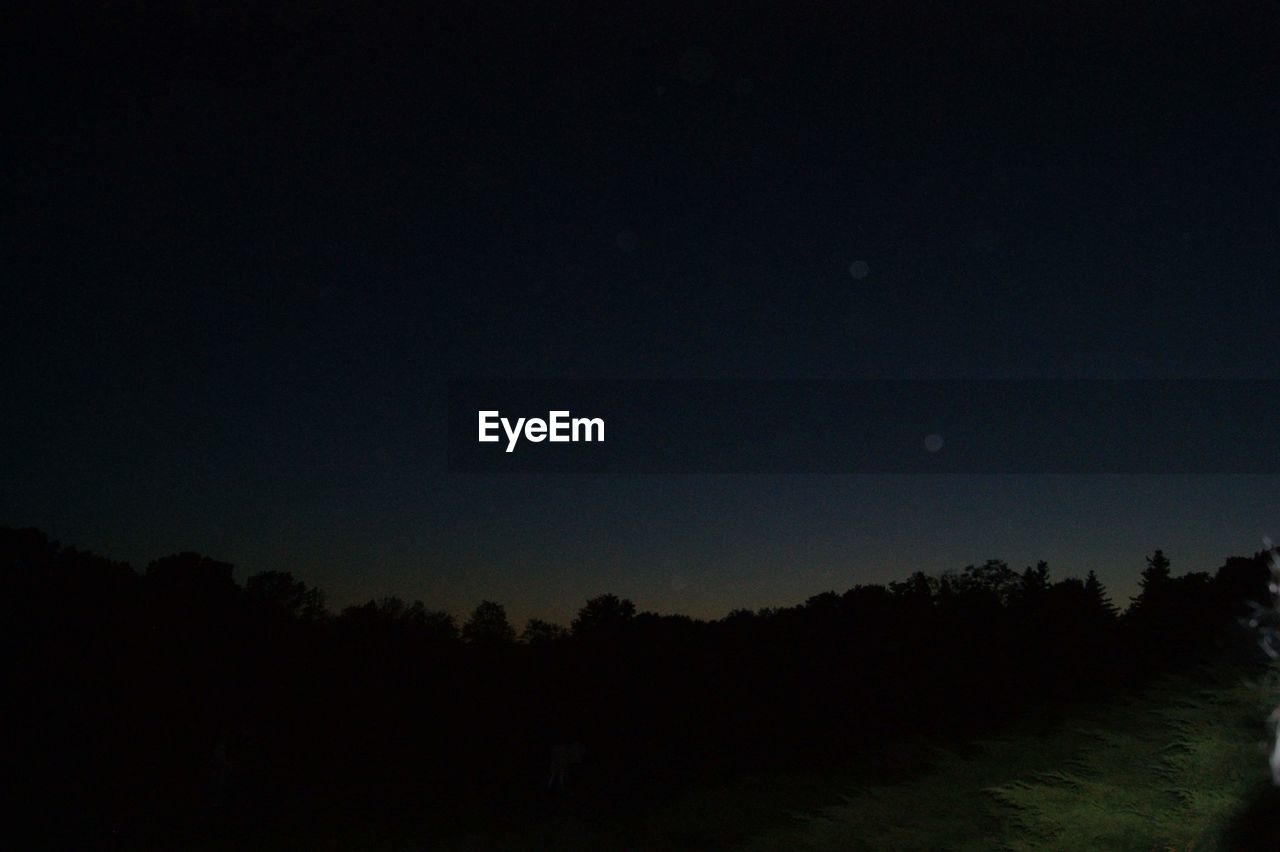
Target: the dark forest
pixel 173 700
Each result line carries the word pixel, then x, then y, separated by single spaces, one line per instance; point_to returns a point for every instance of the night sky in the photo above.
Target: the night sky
pixel 245 250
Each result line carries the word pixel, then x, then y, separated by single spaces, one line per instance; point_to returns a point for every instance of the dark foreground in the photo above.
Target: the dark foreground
pixel 176 708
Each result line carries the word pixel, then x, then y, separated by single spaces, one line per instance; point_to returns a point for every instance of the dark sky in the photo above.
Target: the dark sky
pixel 245 250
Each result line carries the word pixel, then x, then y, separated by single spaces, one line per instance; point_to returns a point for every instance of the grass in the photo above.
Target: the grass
pixel 1172 769
pixel 1175 767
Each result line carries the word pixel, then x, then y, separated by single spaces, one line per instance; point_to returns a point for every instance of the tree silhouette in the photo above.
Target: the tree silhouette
pixel 191 575
pixel 1096 594
pixel 946 587
pixel 602 616
pixel 431 623
pixel 1155 581
pixel 919 586
pixel 536 631
pixel 993 579
pixel 488 625
pixel 1032 586
pixel 158 672
pixel 279 590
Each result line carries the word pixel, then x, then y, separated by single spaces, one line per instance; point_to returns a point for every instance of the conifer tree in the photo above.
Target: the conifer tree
pixel 1097 595
pixel 1156 579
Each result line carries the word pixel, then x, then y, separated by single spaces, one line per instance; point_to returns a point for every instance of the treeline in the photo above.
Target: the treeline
pixel 136 696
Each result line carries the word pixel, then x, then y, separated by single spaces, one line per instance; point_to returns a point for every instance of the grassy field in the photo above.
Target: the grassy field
pixel 1178 767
